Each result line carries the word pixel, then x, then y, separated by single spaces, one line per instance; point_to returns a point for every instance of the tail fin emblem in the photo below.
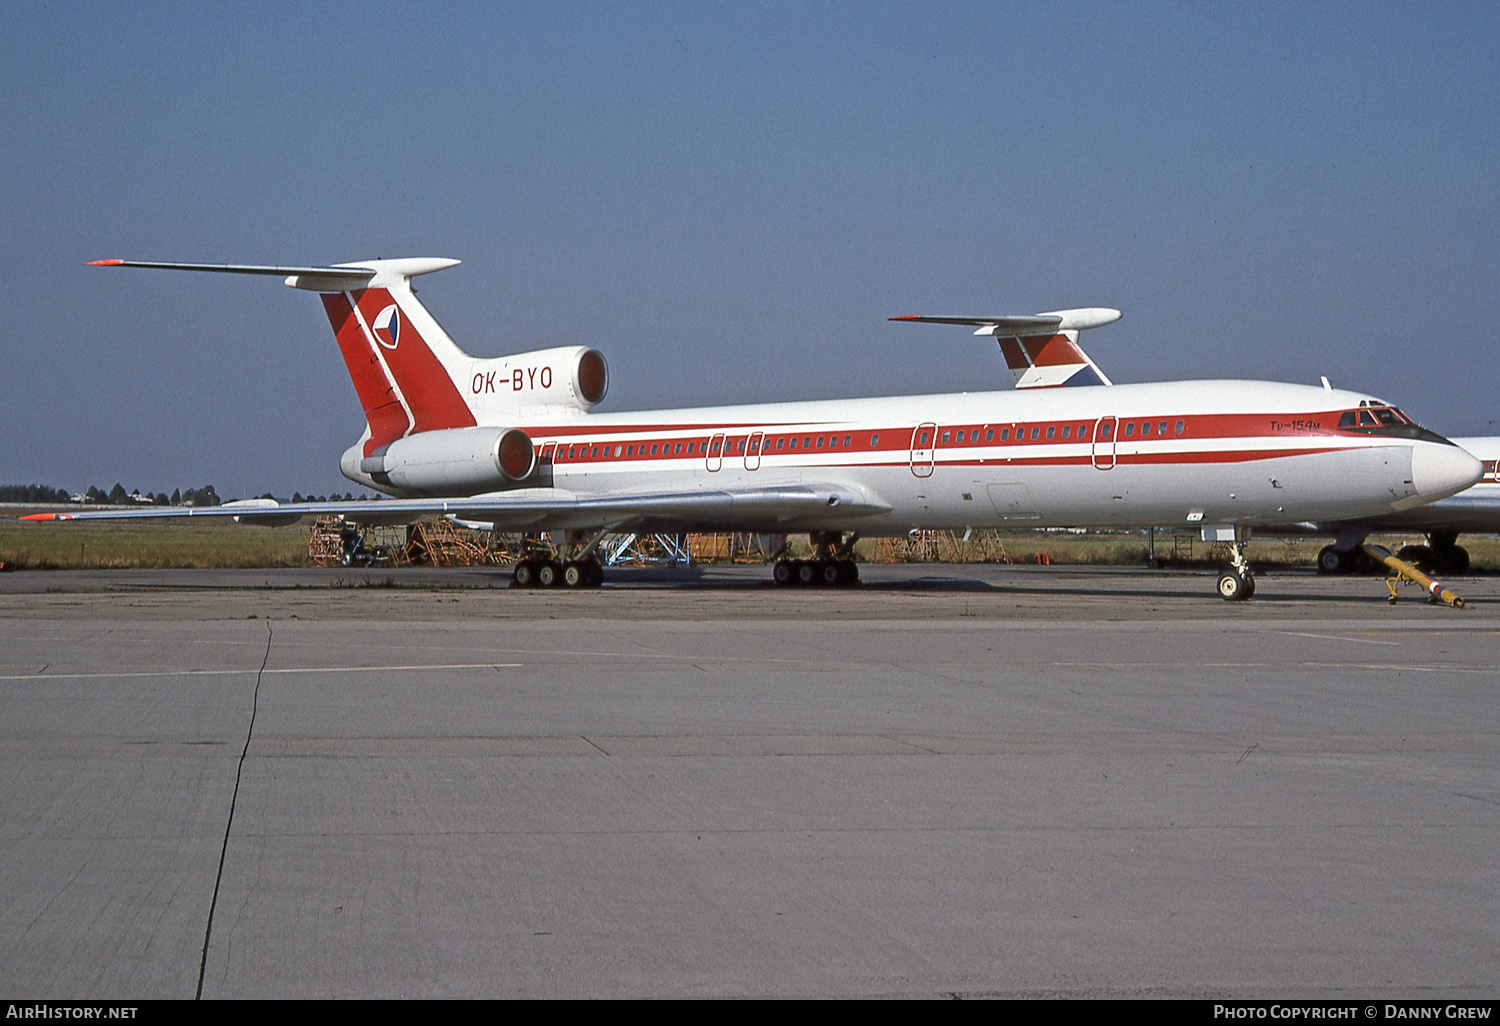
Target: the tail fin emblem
pixel 387 327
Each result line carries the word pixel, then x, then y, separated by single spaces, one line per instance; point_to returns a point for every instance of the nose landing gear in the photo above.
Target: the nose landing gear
pixel 1238 582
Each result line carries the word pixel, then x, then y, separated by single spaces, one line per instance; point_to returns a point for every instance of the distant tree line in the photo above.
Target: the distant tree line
pixel 32 493
pixel 118 496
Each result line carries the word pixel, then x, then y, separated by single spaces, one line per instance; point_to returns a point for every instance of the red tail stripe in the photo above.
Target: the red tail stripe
pixel 429 392
pixel 387 420
pixel 1053 351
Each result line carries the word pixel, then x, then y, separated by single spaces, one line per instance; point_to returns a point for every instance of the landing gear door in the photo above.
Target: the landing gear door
pixel 923 444
pixel 715 455
pixel 1105 429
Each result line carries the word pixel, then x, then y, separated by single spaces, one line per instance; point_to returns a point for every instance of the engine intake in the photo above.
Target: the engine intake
pixel 566 378
pixel 454 461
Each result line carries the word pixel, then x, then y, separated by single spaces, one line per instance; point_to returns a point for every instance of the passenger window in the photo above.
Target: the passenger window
pixel 846 441
pixel 1129 430
pixel 1179 427
pixel 1051 430
pixel 989 436
pixel 1146 428
pixel 781 443
pixel 1005 434
pixel 1067 430
pixel 874 441
pixel 1105 430
pixel 820 441
pixel 1035 432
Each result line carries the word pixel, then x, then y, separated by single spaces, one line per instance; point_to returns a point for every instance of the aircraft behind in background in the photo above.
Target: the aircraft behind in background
pixel 514 443
pixel 1475 510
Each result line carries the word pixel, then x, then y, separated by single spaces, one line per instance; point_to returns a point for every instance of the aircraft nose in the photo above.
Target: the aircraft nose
pixel 1438 471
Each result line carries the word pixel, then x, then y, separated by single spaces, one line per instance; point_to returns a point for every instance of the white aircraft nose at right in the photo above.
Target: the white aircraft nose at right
pixel 1438 471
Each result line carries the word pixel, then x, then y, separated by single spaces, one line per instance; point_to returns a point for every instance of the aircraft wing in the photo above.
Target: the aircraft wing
pixel 551 509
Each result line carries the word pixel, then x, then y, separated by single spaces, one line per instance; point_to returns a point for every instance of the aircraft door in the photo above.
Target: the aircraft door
pixel 714 458
pixel 923 444
pixel 752 450
pixel 545 457
pixel 1105 429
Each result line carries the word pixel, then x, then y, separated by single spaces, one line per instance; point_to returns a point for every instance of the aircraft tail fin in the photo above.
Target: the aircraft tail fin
pixel 1042 350
pixel 405 368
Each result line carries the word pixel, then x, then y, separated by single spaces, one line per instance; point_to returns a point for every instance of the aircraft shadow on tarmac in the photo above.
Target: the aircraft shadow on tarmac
pixel 1285 586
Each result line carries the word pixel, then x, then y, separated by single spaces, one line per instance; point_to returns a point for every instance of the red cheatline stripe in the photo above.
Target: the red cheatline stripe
pixel 1196 426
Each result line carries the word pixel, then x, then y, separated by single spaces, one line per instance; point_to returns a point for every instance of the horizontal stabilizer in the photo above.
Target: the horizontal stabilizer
pixel 337 278
pixel 1080 319
pixel 1041 350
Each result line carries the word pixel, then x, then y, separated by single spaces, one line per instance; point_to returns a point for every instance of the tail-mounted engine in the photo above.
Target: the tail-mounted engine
pixel 455 461
pixel 570 378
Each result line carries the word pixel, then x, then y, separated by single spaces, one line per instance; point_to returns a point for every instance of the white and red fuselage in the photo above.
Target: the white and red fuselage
pixel 1225 452
pixel 513 440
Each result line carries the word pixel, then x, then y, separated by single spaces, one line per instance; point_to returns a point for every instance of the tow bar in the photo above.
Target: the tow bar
pixel 1405 573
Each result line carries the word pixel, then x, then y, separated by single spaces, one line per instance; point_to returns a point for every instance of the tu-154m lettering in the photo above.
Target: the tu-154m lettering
pixel 515 442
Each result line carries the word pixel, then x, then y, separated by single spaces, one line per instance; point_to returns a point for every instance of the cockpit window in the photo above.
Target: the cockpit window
pixel 1373 419
pixel 1374 416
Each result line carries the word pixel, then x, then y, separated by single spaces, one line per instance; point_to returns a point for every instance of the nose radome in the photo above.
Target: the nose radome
pixel 1438 471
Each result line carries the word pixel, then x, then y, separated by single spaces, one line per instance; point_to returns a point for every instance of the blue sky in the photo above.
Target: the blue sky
pixel 729 200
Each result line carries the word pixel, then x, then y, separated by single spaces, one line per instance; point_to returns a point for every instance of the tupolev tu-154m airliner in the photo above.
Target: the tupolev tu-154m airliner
pixel 512 442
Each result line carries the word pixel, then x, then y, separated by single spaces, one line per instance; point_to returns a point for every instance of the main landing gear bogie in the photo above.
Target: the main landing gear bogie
pixel 835 573
pixel 1445 559
pixel 552 573
pixel 832 564
pixel 1346 561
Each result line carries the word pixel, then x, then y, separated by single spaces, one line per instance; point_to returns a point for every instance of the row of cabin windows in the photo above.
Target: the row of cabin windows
pixel 789 443
pixel 1053 431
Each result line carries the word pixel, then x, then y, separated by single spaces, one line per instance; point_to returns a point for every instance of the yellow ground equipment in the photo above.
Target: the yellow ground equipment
pixel 1405 572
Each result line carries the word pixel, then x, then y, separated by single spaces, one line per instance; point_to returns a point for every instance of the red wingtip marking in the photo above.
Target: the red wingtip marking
pixel 906 317
pixel 43 516
pixel 105 263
